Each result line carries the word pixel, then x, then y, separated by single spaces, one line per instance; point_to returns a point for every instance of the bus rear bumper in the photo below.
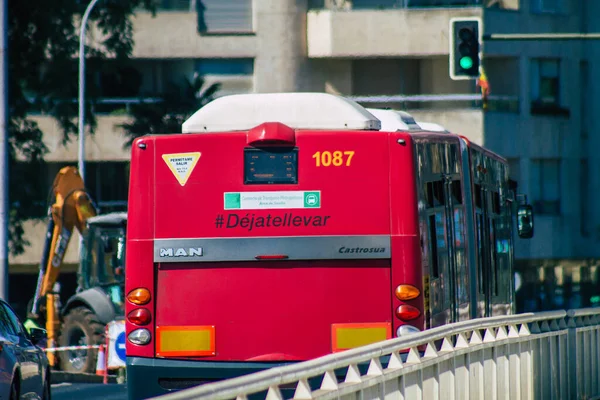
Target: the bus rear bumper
pixel 150 377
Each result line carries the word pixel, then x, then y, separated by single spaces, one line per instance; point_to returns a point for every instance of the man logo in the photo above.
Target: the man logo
pixel 180 252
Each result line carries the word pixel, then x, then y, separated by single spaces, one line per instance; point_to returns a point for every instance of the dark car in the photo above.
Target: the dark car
pixel 24 367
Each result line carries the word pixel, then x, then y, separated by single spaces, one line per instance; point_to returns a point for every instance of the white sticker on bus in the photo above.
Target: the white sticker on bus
pixel 272 200
pixel 181 165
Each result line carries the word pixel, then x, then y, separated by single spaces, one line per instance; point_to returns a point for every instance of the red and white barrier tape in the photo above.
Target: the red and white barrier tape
pixel 67 348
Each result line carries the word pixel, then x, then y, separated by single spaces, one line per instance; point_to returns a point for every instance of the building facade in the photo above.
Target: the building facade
pixel 384 53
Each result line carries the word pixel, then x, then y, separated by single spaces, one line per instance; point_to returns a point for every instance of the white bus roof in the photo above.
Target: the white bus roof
pixel 393 120
pixel 297 110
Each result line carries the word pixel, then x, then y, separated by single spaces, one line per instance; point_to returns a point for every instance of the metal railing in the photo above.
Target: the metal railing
pixel 392 4
pixel 122 106
pixel 546 355
pixel 441 101
pixel 105 207
pixel 119 105
pixel 426 98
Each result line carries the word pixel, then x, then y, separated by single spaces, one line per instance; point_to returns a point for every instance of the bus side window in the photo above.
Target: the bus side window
pixel 457 192
pixel 494 236
pixel 435 271
pixel 480 235
pixel 428 192
pixel 434 191
pixel 494 256
pixel 478 197
pixel 496 207
pixel 438 192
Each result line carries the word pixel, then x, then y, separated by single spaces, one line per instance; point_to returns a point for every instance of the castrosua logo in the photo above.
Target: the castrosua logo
pixel 351 250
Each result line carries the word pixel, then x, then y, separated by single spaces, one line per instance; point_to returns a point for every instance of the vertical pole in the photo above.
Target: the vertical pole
pixel 4 204
pixel 81 155
pixel 86 15
pixel 107 344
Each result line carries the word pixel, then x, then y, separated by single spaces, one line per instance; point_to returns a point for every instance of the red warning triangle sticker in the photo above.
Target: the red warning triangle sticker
pixel 181 165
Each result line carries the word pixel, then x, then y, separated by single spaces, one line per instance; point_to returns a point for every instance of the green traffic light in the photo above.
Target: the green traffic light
pixel 466 62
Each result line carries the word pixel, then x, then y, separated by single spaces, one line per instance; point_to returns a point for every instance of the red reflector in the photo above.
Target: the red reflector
pixel 272 257
pixel 407 313
pixel 140 316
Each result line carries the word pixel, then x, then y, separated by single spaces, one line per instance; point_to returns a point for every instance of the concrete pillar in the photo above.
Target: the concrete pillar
pixel 281 63
pixel 590 96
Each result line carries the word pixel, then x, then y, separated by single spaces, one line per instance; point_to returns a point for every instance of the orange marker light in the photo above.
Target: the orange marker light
pixel 407 313
pixel 139 296
pixel 140 316
pixel 407 292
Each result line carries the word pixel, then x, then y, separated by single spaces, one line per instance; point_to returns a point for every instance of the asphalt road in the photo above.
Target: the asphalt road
pixel 89 391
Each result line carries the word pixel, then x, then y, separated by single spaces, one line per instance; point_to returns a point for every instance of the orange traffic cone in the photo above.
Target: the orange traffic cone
pixel 101 361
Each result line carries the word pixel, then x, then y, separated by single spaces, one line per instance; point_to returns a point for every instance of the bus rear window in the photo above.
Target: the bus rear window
pixel 272 165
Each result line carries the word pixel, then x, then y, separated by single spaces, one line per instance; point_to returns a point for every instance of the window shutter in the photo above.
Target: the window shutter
pixel 229 16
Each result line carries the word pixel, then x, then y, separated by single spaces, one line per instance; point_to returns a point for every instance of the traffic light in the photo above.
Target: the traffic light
pixel 465 39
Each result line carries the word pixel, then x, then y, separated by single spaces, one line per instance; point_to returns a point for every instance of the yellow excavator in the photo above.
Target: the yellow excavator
pixel 100 278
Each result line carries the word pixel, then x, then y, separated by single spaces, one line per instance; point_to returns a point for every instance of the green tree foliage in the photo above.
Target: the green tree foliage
pixel 43 44
pixel 177 104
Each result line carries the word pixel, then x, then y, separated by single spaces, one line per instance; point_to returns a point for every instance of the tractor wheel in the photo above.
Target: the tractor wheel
pixel 80 328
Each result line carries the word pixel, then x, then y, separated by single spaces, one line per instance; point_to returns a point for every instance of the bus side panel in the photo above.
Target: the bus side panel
pixel 139 262
pixel 406 255
pixel 272 310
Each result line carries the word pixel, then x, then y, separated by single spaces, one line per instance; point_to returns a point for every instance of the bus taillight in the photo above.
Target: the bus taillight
pixel 407 313
pixel 139 336
pixel 405 330
pixel 139 296
pixel 139 316
pixel 407 292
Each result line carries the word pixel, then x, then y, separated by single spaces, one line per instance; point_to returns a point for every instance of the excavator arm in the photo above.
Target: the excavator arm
pixel 70 208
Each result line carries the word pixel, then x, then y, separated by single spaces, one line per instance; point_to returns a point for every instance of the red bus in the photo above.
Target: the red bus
pixel 282 227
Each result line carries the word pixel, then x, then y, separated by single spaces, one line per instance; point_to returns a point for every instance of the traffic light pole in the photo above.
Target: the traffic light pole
pixel 540 36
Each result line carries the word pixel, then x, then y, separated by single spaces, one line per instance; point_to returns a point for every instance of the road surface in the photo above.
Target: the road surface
pixel 89 391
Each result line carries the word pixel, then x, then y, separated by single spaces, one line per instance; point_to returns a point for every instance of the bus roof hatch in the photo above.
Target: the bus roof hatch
pixel 433 127
pixel 242 112
pixel 393 120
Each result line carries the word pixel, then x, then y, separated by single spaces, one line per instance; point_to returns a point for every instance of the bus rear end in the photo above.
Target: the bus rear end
pixel 255 248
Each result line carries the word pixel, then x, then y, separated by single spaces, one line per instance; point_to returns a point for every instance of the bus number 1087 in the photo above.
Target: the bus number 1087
pixel 337 158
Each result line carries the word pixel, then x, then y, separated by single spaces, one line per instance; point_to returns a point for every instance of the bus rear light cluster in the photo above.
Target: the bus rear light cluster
pixel 407 292
pixel 139 336
pixel 139 316
pixel 407 313
pixel 139 296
